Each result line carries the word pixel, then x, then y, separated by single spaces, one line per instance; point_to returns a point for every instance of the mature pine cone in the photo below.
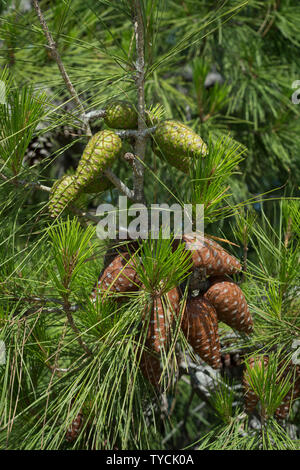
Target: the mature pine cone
pixel 220 298
pixel 200 327
pixel 230 304
pixel 118 277
pixel 162 314
pixel 210 256
pixel 38 149
pixel 161 318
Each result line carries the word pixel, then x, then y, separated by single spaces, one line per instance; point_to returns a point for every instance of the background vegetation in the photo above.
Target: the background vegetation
pixel 53 371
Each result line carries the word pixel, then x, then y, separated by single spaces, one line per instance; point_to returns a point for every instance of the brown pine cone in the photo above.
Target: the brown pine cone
pixel 250 397
pixel 75 428
pixel 230 304
pixel 200 327
pixel 162 314
pixel 38 149
pixel 119 276
pixel 209 255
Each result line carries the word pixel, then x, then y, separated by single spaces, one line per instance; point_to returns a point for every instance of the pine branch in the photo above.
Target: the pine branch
pixel 56 56
pixel 120 185
pixel 43 301
pixel 123 134
pixel 140 144
pixel 136 133
pixel 41 187
pixel 95 114
pixel 67 309
pixel 29 184
pixel 108 173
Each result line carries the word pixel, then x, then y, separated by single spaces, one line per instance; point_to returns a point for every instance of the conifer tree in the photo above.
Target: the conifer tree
pixel 141 343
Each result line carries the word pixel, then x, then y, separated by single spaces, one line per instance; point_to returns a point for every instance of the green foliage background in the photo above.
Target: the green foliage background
pixel 251 125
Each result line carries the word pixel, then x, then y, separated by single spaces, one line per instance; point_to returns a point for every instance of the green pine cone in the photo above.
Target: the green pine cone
pixel 101 151
pixel 98 185
pixel 120 115
pixel 182 164
pixel 62 193
pixel 177 143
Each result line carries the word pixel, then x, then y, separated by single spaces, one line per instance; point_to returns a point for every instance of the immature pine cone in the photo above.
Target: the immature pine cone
pixel 62 193
pixel 177 143
pixel 121 115
pixel 99 154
